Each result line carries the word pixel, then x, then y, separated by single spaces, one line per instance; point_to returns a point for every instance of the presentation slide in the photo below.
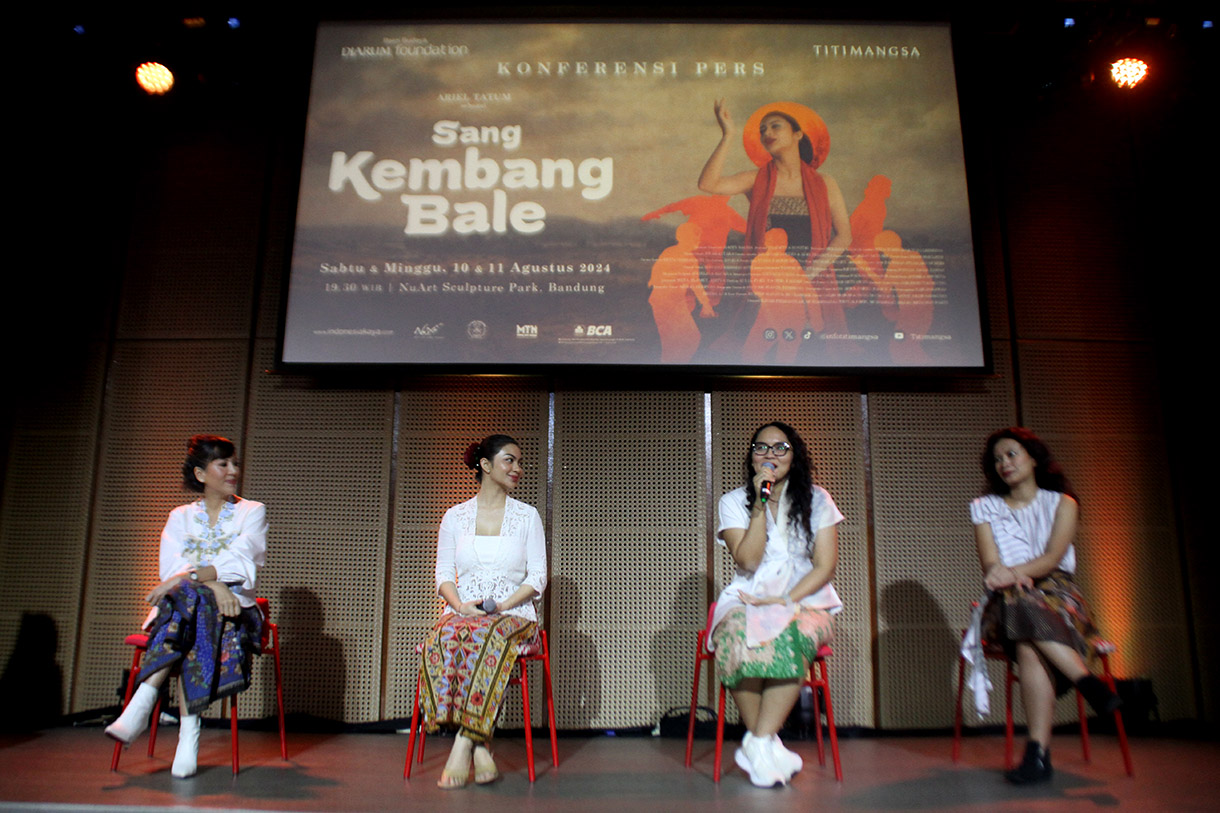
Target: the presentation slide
pixel 764 197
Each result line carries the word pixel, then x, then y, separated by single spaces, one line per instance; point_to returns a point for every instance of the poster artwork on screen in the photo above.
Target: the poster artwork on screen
pixel 744 196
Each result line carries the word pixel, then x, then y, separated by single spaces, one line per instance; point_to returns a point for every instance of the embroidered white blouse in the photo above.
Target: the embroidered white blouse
pixel 236 545
pixel 493 566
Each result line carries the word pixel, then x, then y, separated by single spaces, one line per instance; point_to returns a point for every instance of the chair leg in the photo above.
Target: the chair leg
pixel 131 688
pixel 550 700
pixel 1084 727
pixel 817 722
pixel 694 702
pixel 406 770
pixel 719 736
pixel 233 730
pixel 279 690
pixel 1119 728
pixel 529 728
pixel 1009 679
pixel 830 722
pixel 957 715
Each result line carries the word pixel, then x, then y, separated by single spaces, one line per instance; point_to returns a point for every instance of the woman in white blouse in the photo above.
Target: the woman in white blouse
pixel 490 566
pixel 206 621
pixel 772 618
pixel 1024 528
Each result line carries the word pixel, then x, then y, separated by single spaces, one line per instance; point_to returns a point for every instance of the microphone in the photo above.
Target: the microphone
pixel 488 605
pixel 765 490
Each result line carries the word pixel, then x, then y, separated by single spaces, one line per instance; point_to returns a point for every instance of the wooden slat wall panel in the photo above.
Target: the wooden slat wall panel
pixel 1097 406
pixel 925 447
pixel 44 527
pixel 320 458
pixel 630 561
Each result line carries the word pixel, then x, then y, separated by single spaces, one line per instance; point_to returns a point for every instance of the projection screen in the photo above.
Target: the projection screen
pixel 530 194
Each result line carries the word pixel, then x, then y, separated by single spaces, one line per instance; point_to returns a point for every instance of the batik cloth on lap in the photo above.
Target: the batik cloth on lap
pixel 467 663
pixel 213 653
pixel 1052 610
pixel 787 656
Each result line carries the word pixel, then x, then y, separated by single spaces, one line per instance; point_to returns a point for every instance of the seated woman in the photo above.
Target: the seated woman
pixel 206 624
pixel 490 566
pixel 1024 528
pixel 773 617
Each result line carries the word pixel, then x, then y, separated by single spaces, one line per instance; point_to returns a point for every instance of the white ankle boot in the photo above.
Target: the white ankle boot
pixel 134 719
pixel 185 758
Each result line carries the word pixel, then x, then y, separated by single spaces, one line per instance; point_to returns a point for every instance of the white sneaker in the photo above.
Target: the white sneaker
pixel 754 757
pixel 186 757
pixel 134 719
pixel 789 762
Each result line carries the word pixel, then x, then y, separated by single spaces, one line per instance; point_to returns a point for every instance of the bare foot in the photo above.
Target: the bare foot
pixel 456 773
pixel 485 770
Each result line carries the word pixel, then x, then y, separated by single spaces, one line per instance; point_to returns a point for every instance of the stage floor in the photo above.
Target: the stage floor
pixel 67 769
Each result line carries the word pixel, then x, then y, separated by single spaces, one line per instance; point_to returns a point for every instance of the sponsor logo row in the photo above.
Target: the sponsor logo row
pixel 477 329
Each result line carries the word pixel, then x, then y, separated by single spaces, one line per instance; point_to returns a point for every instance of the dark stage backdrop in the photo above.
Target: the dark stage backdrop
pixel 527 194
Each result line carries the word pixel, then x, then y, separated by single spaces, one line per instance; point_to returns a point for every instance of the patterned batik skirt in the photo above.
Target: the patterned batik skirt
pixel 213 653
pixel 1053 610
pixel 785 657
pixel 466 665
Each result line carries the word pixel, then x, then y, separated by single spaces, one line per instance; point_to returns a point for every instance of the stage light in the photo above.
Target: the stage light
pixel 233 22
pixel 1129 72
pixel 154 78
pixel 79 29
pixel 1207 23
pixel 1069 22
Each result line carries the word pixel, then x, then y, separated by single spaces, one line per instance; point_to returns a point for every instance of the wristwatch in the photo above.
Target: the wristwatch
pixel 193 575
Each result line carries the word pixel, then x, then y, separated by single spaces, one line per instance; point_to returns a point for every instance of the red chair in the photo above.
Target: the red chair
pixel 535 651
pixel 819 678
pixel 269 642
pixel 1104 649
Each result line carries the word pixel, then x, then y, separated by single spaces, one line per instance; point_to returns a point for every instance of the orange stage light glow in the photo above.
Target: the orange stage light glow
pixel 1127 73
pixel 155 78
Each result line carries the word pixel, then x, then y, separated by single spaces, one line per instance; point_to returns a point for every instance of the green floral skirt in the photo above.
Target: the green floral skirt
pixel 785 657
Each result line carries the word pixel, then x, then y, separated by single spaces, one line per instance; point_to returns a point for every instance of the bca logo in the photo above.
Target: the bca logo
pixel 598 330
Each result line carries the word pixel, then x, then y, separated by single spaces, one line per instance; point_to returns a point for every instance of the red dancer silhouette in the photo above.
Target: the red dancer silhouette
pixel 675 275
pixel 787 302
pixel 715 219
pixel 867 221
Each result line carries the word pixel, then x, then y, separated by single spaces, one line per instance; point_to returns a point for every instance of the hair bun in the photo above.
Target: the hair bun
pixel 471 456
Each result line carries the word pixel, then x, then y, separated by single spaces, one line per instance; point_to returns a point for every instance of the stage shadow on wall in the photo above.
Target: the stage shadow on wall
pixel 32 681
pixel 673 646
pixel 917 655
pixel 315 669
pixel 576 673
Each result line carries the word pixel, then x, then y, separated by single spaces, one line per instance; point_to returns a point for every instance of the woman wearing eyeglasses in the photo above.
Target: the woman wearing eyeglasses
pixel 771 619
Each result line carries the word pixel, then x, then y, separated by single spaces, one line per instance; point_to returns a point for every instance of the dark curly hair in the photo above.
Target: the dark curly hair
pixel 1048 474
pixel 800 478
pixel 488 447
pixel 200 451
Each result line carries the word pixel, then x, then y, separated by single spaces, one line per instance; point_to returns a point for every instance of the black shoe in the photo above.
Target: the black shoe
pixel 1036 767
pixel 1098 694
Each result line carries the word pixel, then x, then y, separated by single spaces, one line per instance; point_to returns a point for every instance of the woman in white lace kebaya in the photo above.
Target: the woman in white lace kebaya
pixel 490 566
